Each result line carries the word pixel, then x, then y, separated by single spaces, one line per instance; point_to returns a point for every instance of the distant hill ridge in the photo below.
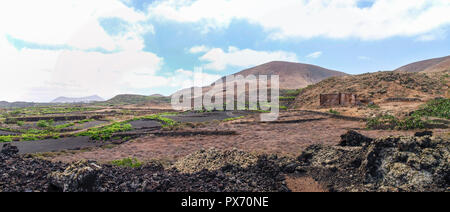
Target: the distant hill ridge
pixel 431 65
pixel 123 99
pixel 88 99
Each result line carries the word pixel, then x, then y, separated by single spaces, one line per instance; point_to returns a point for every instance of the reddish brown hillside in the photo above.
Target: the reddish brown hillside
pixel 432 65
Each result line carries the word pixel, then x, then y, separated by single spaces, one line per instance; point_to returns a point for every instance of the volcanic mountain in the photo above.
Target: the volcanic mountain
pixel 431 65
pixel 292 75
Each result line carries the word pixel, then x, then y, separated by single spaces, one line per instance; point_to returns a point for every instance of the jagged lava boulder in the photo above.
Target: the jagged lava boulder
pixel 386 164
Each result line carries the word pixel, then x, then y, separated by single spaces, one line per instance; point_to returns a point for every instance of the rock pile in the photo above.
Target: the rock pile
pixel 358 164
pixel 214 159
pixel 9 150
pixel 25 174
pixel 385 164
pixel 78 177
pixel 264 176
pixel 353 138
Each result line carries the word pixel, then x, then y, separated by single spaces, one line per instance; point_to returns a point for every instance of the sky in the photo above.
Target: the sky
pixel 76 48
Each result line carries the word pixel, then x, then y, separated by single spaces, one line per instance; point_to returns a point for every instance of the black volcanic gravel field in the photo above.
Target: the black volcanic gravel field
pixel 208 116
pixel 54 145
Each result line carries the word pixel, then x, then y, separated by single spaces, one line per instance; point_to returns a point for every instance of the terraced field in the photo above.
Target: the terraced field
pixel 165 141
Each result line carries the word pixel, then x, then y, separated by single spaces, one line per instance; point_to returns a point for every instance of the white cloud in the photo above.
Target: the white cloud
pixel 219 59
pixel 185 78
pixel 318 18
pixel 199 49
pixel 66 22
pixel 40 75
pixel 314 55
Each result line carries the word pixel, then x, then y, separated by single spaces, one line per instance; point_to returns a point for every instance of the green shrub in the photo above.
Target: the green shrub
pixel 373 106
pixel 45 123
pixel 334 112
pixel 388 122
pixel 30 137
pixel 167 122
pixel 295 92
pixel 62 126
pixel 411 123
pixel 127 162
pixel 435 108
pixel 106 133
pixel 234 118
pixel 6 138
pixel 382 122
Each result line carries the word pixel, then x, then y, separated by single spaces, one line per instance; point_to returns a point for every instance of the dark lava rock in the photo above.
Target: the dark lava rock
pixel 291 168
pixel 21 174
pixel 414 164
pixel 78 177
pixel 24 174
pixel 9 150
pixel 424 133
pixel 353 138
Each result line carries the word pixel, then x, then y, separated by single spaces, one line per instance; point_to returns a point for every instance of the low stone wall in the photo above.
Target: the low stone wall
pixel 402 99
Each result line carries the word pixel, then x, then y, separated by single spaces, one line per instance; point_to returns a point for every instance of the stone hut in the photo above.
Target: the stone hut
pixel 340 99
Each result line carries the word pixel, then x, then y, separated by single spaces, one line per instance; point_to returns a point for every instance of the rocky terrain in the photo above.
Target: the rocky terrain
pixel 214 159
pixel 396 93
pixel 379 88
pixel 358 163
pixel 28 174
pixel 386 164
pixel 79 148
